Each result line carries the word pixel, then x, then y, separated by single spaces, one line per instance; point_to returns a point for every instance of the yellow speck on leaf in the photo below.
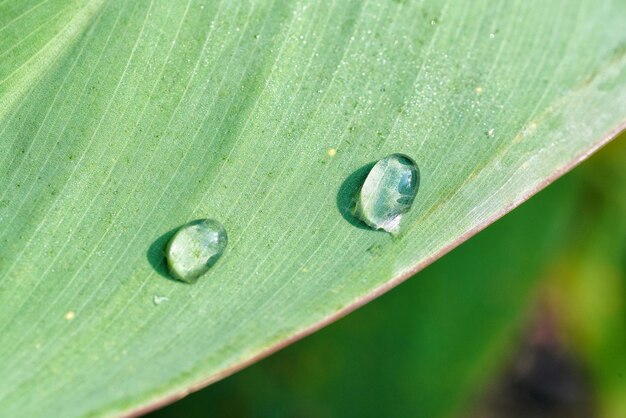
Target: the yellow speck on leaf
pixel 70 315
pixel 478 90
pixel 331 152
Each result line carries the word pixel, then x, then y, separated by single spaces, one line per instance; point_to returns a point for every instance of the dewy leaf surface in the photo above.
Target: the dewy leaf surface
pixel 123 120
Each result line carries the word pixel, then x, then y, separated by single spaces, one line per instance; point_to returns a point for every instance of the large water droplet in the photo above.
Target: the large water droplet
pixel 388 192
pixel 194 248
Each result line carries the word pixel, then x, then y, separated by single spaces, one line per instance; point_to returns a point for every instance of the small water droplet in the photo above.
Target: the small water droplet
pixel 195 248
pixel 492 35
pixel 158 299
pixel 388 192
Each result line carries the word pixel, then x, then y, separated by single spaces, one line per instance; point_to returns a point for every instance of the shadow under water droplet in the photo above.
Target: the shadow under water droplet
pixel 346 197
pixel 156 254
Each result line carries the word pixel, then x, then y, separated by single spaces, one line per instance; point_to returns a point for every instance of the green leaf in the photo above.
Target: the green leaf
pixel 121 121
pixel 425 349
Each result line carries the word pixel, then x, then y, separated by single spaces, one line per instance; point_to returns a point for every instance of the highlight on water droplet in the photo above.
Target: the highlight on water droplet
pixel 158 299
pixel 195 248
pixel 388 192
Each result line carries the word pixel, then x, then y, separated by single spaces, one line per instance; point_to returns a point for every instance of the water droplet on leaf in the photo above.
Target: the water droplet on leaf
pixel 388 192
pixel 195 248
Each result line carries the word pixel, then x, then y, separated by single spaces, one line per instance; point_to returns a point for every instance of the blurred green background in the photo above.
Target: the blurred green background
pixel 527 319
